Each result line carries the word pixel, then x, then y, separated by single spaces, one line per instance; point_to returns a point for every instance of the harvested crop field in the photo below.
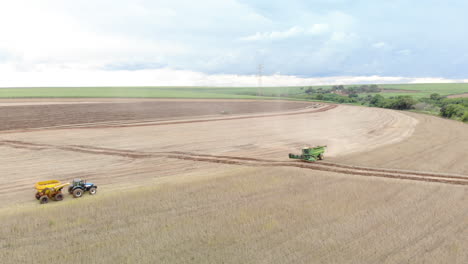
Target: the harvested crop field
pixel 210 182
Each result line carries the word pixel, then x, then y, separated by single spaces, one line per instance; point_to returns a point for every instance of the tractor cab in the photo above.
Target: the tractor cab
pixel 81 183
pixel 78 186
pixel 78 182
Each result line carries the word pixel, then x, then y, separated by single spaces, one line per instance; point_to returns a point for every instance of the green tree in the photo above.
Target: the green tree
pixel 321 90
pixel 377 100
pixel 452 111
pixel 374 88
pixel 402 103
pixel 435 97
pixel 465 117
pixel 310 90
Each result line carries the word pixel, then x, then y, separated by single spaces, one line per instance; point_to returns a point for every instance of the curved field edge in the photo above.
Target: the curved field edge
pixel 437 144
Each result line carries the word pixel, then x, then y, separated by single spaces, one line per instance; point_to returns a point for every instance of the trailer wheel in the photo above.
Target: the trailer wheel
pixel 58 197
pixel 92 190
pixel 77 193
pixel 38 195
pixel 44 199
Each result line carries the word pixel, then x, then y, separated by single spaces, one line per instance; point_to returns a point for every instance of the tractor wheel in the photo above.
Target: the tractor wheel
pixel 70 190
pixel 77 193
pixel 38 195
pixel 44 199
pixel 320 157
pixel 92 190
pixel 58 197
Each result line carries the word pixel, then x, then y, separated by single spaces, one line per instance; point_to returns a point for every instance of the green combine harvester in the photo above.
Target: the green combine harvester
pixel 310 154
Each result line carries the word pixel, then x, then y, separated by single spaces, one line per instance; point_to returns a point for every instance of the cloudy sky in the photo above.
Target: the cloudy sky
pixel 222 42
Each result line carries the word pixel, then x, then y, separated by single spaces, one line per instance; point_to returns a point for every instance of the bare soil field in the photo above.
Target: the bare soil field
pixel 20 114
pixel 202 187
pixel 458 95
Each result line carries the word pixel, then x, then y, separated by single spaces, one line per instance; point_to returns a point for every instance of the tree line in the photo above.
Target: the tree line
pixel 453 108
pixel 341 89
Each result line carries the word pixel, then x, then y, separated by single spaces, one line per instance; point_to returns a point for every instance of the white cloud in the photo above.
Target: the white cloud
pixel 294 31
pixel 89 32
pixel 34 32
pixel 318 28
pixel 86 36
pixel 404 52
pixel 60 77
pixel 379 45
pixel 435 80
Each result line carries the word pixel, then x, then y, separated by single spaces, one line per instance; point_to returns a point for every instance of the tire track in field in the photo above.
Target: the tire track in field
pixel 143 123
pixel 245 161
pixel 235 158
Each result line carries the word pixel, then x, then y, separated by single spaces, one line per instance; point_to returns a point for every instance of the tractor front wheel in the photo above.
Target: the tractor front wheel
pixel 58 197
pixel 38 195
pixel 44 199
pixel 77 193
pixel 92 190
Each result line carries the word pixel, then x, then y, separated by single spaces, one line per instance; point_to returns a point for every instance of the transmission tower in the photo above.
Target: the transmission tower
pixel 259 79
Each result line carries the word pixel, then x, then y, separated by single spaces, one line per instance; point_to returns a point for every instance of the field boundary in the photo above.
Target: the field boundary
pixel 255 162
pixel 143 123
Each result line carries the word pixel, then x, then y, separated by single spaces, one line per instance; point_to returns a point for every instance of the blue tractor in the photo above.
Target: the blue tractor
pixel 79 186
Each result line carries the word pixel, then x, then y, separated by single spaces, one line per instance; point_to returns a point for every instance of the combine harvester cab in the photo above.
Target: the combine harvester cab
pixel 310 154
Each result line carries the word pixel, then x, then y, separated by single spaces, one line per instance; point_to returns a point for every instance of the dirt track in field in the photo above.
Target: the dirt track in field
pixel 320 166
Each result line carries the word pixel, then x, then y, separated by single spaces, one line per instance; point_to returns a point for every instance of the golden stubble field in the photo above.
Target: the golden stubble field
pixel 157 206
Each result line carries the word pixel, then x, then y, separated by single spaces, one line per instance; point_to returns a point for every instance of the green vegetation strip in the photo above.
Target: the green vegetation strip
pixel 148 92
pixel 427 98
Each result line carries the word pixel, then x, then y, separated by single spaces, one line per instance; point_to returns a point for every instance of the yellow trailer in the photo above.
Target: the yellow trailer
pixel 51 189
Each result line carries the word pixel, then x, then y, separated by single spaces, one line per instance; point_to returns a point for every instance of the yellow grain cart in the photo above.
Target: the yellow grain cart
pixel 51 189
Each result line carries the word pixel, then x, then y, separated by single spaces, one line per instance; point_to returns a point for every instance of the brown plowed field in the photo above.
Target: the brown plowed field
pixel 384 194
pixel 41 113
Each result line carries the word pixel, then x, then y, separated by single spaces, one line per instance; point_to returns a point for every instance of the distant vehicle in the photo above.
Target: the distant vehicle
pixel 79 186
pixel 310 154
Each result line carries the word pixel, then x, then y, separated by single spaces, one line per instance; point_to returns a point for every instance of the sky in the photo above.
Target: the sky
pixel 223 42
